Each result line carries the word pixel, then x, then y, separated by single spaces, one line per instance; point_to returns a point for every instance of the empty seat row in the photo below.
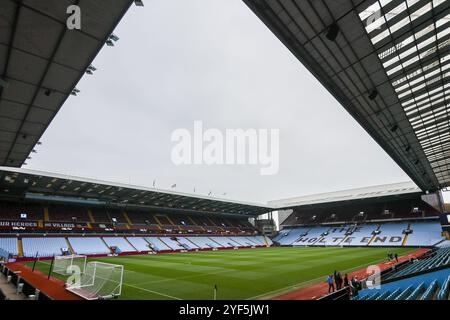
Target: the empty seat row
pixel 439 258
pixel 9 245
pixel 53 246
pixel 432 285
pixel 370 234
pixel 44 247
pixel 88 245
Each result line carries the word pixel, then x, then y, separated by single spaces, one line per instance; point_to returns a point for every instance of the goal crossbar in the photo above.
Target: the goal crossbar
pixel 66 265
pixel 99 281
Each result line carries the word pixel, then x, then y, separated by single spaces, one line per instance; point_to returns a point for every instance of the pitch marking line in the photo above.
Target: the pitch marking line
pixel 151 291
pixel 299 285
pixel 186 277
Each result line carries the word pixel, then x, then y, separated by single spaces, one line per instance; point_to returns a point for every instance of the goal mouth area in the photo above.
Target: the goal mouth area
pixel 64 265
pixel 99 281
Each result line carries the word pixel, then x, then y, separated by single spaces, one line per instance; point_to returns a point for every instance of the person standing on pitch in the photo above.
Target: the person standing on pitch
pixel 346 280
pixel 330 283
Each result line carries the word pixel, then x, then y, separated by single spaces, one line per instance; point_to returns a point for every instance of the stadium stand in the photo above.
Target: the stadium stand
pixel 13 211
pixel 186 244
pixel 173 243
pixel 121 243
pixel 157 244
pixel 429 286
pixel 88 245
pixel 424 234
pixel 9 245
pixel 239 242
pixel 380 234
pixel 43 247
pixel 290 235
pixel 224 242
pixel 443 244
pixel 55 218
pixel 261 240
pixel 391 234
pixel 61 213
pixel 203 242
pixel 360 235
pixel 437 258
pixel 139 243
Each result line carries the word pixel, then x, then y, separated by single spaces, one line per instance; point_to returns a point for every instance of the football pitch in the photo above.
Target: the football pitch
pixel 239 274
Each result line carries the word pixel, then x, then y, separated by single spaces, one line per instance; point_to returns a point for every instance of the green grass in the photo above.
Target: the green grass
pixel 239 274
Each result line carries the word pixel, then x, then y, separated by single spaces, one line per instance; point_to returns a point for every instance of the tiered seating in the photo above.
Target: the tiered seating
pixel 443 244
pixel 288 237
pixel 164 221
pixel 425 234
pixel 261 240
pixel 173 244
pixel 12 211
pixel 311 237
pixel 203 242
pixel 440 258
pixel 9 245
pixel 185 243
pixel 443 293
pixel 157 244
pixel 333 236
pixel 429 286
pixel 100 215
pixel 120 243
pixel 141 218
pixel 139 243
pixel 118 215
pixel 43 247
pixel 52 246
pixel 88 245
pixel 239 242
pixel 224 242
pixel 204 221
pixel 389 234
pixel 431 290
pixel 360 235
pixel 255 241
pixel 60 213
pixel 249 241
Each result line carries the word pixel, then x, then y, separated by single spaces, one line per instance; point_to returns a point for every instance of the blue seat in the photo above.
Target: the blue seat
pixel 443 293
pixel 405 293
pixel 383 296
pixel 430 291
pixel 419 289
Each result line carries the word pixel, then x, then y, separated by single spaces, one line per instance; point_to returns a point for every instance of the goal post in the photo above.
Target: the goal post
pixel 67 265
pixel 99 281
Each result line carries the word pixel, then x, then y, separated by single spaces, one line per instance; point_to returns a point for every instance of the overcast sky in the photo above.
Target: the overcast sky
pixel 178 61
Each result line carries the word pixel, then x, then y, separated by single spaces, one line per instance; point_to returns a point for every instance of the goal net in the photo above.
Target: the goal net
pixel 67 265
pixel 99 281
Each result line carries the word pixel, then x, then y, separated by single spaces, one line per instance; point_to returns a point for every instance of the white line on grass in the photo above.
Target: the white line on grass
pixel 187 277
pixel 297 285
pixel 151 291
